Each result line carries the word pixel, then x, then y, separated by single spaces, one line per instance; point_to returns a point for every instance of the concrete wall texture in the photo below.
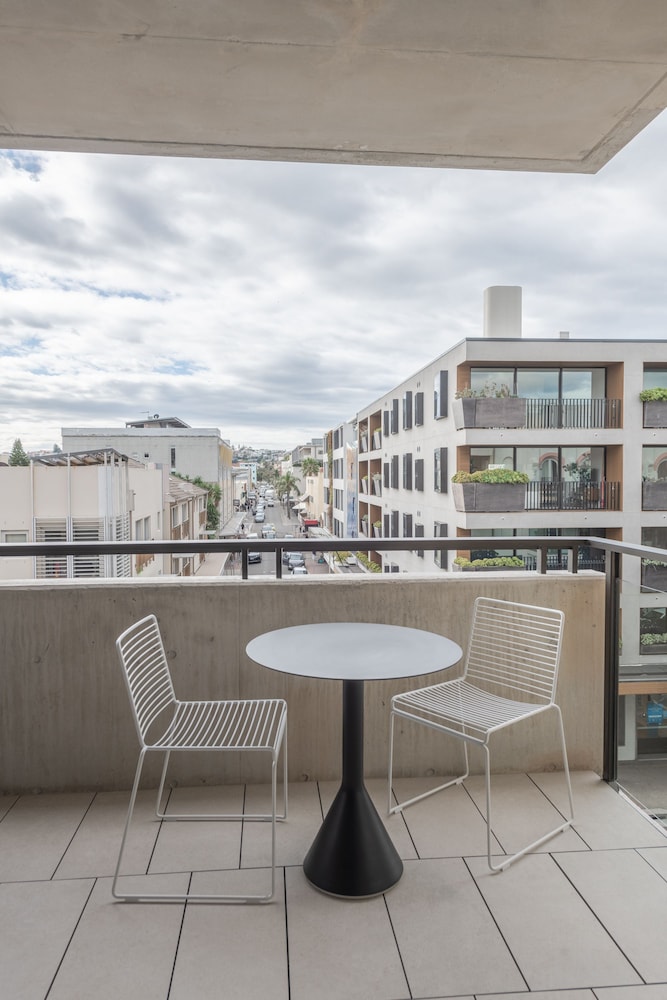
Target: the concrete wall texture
pixel 65 719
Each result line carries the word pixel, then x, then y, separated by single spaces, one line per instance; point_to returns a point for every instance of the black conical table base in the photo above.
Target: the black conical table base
pixel 353 854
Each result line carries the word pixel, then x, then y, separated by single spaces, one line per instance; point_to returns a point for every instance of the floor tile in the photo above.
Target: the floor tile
pixel 94 849
pixel 220 944
pixel 622 890
pixel 37 920
pixel 122 949
pixel 544 995
pixel 556 940
pixel 603 819
pixel 448 941
pixel 445 825
pixel 293 837
pixel 200 845
pixel 522 813
pixel 36 832
pixel 630 993
pixel 340 949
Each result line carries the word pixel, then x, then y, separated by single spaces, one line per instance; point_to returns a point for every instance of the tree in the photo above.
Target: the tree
pixel 310 467
pixel 18 455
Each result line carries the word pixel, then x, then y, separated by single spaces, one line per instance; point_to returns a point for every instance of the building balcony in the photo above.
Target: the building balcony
pixel 654 494
pixel 68 751
pixel 538 495
pixel 537 414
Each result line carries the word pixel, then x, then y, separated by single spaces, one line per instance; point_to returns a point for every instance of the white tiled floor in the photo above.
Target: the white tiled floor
pixel 582 919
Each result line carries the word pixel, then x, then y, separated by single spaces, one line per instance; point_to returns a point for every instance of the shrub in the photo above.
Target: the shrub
pixel 496 561
pixel 653 395
pixel 498 476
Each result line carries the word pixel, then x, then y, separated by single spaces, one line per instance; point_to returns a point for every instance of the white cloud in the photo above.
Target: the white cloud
pixel 272 300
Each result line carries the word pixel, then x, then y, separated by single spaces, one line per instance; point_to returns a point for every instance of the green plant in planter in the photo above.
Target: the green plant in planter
pixel 497 561
pixel 653 395
pixel 488 390
pixel 653 638
pixel 377 524
pixel 497 476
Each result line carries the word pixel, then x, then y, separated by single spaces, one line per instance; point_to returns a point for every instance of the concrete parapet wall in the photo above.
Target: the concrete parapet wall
pixel 65 720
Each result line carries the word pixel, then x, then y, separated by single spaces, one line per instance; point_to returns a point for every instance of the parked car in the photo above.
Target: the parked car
pixel 289 555
pixel 268 531
pixel 295 559
pixel 299 571
pixel 270 502
pixel 259 516
pixel 254 557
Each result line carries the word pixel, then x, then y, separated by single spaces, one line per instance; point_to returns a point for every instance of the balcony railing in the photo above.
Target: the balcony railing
pixel 58 638
pixel 537 414
pixel 603 495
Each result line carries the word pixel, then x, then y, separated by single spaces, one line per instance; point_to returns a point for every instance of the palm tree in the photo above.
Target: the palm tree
pixel 310 467
pixel 287 484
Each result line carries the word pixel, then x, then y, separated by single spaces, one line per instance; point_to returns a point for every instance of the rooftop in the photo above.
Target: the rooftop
pixel 576 921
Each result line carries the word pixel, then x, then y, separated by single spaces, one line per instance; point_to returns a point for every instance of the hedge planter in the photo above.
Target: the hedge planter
pixel 490 411
pixel 655 414
pixel 654 577
pixel 489 497
pixel 654 494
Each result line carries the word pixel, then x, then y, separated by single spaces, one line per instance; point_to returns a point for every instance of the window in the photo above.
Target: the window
pixel 394 416
pixel 419 474
pixel 407 526
pixel 419 533
pixel 50 567
pixel 394 472
pixel 386 422
pixel 173 458
pixel 88 531
pixel 440 555
pixel 394 524
pixel 407 471
pixel 407 411
pixel 386 472
pixel 419 409
pixel 440 470
pixel 14 536
pixel 440 395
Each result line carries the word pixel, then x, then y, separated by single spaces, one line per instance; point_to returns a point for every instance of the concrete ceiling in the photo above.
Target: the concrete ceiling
pixel 557 85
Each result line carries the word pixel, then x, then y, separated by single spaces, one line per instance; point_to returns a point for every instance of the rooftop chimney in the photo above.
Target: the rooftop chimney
pixel 502 311
pixel 564 334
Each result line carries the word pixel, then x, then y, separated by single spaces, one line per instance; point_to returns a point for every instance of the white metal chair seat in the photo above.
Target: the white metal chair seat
pixel 165 724
pixel 464 709
pixel 510 674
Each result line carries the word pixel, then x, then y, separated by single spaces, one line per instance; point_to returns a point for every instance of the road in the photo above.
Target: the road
pixel 284 525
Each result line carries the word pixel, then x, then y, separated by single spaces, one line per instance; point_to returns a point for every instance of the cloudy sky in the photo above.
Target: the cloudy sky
pixel 273 300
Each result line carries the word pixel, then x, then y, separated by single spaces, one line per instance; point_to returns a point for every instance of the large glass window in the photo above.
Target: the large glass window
pixel 536 383
pixel 492 380
pixel 654 463
pixel 655 378
pixel 550 383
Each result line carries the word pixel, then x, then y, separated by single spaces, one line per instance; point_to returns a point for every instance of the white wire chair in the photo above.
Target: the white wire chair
pixel 510 674
pixel 165 724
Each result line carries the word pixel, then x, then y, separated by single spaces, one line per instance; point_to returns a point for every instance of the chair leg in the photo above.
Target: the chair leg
pixel 160 813
pixel 547 836
pixel 205 897
pixel 391 809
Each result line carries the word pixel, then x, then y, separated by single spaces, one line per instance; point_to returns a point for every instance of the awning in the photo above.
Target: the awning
pixel 305 496
pixel 311 522
pixel 299 506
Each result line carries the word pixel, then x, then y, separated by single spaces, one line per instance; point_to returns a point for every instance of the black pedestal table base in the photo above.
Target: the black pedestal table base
pixel 353 854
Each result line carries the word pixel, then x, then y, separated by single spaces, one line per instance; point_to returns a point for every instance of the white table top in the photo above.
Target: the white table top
pixel 353 651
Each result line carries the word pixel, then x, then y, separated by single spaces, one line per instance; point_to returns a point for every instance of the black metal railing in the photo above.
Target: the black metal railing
pixel 561 495
pixel 573 413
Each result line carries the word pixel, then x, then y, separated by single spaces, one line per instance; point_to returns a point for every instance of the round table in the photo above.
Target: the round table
pixel 352 854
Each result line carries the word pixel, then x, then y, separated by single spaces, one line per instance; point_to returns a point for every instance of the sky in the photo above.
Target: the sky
pixel 274 300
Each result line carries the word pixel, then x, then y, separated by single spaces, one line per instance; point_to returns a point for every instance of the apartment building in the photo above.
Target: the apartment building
pixel 86 496
pixel 169 443
pixel 340 481
pixel 567 414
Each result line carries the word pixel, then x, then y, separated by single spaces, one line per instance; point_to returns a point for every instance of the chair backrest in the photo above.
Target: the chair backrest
pixel 142 656
pixel 515 649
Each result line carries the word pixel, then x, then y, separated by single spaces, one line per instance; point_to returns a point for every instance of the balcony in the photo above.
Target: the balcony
pixel 539 495
pixel 595 894
pixel 537 414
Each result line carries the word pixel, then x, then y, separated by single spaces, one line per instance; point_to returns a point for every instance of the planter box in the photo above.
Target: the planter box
pixel 654 494
pixel 655 413
pixel 377 487
pixel 377 532
pixel 377 439
pixel 364 486
pixel 489 497
pixel 490 411
pixel 489 569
